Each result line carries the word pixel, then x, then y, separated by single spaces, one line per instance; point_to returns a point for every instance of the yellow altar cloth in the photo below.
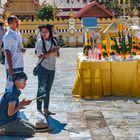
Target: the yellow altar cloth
pixel 96 79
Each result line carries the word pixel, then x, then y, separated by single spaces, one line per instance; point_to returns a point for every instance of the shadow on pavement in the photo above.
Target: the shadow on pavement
pixel 56 125
pixel 13 138
pixel 115 98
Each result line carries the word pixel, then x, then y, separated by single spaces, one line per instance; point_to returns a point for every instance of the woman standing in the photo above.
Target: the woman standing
pixel 46 48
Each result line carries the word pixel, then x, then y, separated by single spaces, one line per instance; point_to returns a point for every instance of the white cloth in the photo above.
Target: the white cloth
pixel 13 42
pixel 47 63
pixel 111 58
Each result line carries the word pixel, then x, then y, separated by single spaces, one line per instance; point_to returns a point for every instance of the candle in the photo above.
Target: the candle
pixel 88 35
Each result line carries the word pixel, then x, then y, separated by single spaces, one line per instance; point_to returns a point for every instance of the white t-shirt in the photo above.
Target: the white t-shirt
pixel 47 63
pixel 12 41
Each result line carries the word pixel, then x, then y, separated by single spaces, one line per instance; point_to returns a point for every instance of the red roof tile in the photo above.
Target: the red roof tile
pixel 88 6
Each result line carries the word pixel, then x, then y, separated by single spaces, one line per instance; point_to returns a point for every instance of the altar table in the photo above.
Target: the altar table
pixel 96 79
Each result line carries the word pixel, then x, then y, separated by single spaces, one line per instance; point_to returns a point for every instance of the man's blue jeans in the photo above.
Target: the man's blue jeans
pixel 45 81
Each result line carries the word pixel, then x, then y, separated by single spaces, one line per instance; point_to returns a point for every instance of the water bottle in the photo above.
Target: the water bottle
pixel 99 54
pixel 96 54
pixel 89 54
pixel 93 54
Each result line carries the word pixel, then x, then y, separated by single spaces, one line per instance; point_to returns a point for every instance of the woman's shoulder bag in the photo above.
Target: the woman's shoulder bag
pixel 36 68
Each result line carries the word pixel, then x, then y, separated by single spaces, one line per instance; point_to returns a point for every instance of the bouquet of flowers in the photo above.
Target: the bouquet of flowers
pixel 120 45
pixel 104 53
pixel 86 48
pixel 111 52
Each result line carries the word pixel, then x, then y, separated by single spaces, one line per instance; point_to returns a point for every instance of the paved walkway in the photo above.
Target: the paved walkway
pixel 111 118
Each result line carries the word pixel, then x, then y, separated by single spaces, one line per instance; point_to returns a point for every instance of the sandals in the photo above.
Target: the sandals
pixel 46 114
pixel 45 129
pixel 51 113
pixel 2 131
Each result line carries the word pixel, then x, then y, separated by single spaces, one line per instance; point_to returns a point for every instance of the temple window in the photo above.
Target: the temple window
pixel 84 1
pixel 68 1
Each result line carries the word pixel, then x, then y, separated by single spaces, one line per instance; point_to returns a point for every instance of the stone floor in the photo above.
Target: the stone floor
pixel 111 118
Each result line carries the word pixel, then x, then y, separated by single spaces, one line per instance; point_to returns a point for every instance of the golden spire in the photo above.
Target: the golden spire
pixel 119 2
pixel 129 2
pixel 7 12
pixel 124 1
pixel 135 12
pixel 129 8
pixel 55 10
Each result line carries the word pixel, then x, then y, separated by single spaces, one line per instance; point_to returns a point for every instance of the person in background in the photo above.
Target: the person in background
pixel 60 41
pixel 54 32
pixel 32 41
pixel 13 49
pixel 2 31
pixel 10 124
pixel 46 72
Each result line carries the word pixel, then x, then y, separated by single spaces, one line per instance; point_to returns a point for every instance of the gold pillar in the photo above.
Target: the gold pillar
pixel 124 1
pixel 6 16
pixel 119 2
pixel 55 10
pixel 129 7
pixel 107 38
pixel 124 6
